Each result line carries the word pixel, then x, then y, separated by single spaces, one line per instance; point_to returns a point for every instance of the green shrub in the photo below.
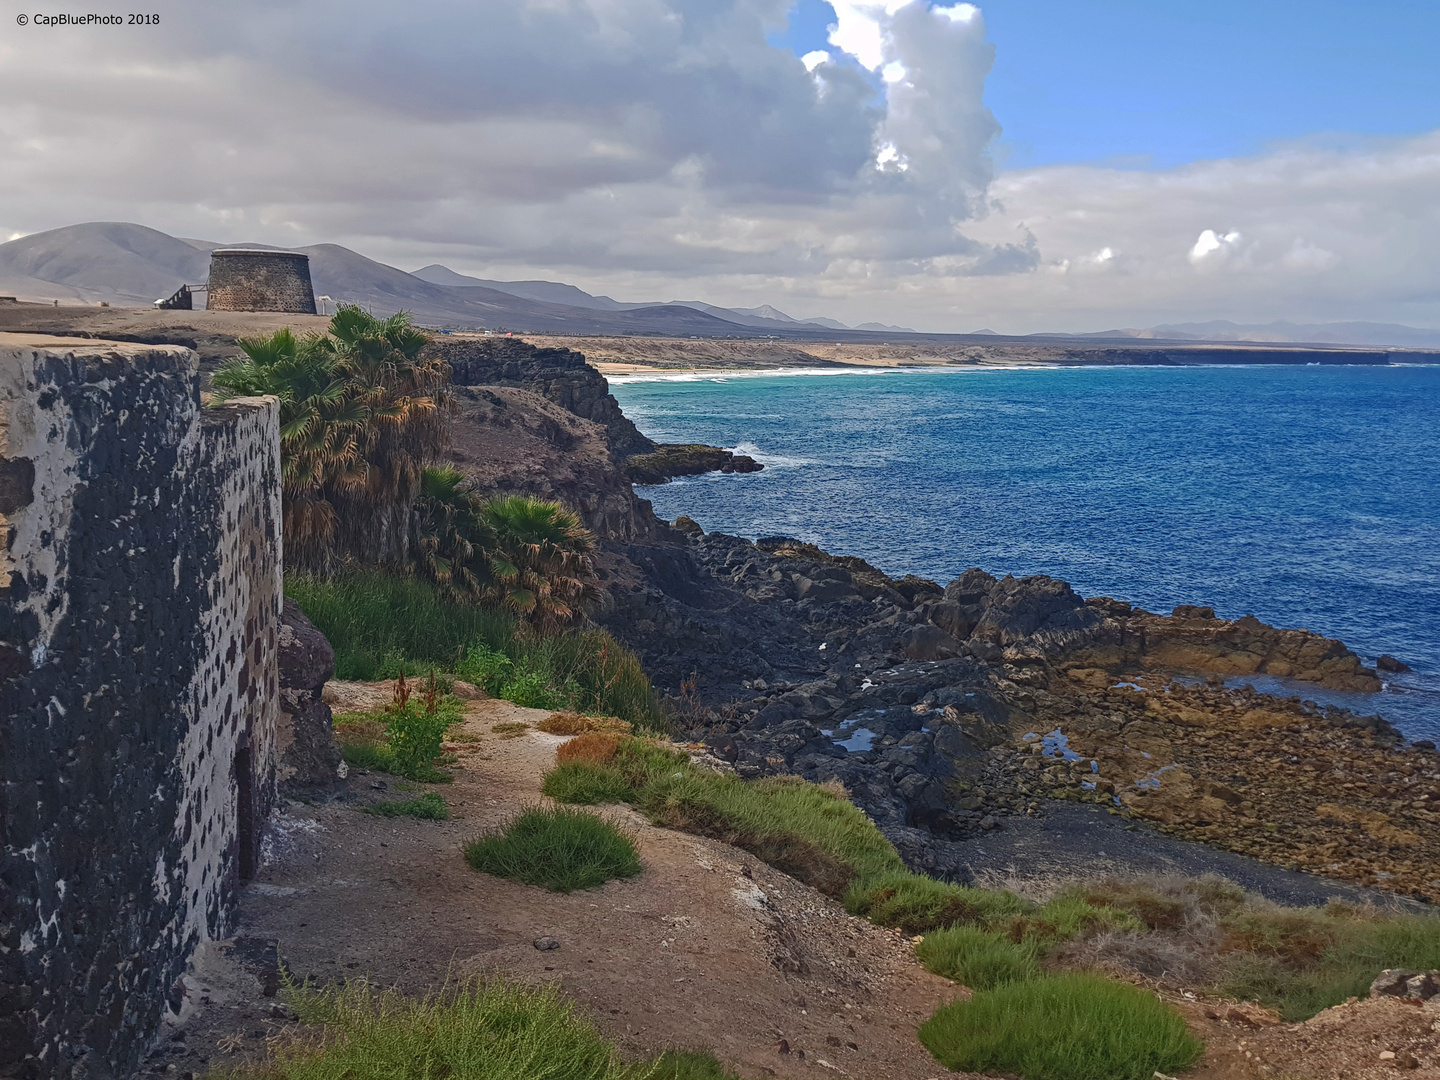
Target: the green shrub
pixel 487 668
pixel 811 832
pixel 917 904
pixel 414 736
pixel 428 807
pixel 1300 961
pixel 585 783
pixel 977 958
pixel 1064 918
pixel 479 1030
pixel 557 849
pixel 382 625
pixel 367 755
pixel 1063 1027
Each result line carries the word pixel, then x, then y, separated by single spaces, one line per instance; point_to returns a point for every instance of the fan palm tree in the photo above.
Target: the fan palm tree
pixel 452 540
pixel 539 560
pixel 408 400
pixel 322 433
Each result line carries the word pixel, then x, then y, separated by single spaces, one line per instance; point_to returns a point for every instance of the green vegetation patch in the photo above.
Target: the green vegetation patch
pixel 1062 1027
pixel 978 958
pixel 405 739
pixel 811 832
pixel 1300 961
pixel 382 625
pixel 481 1030
pixel 584 783
pixel 428 807
pixel 558 848
pixel 917 904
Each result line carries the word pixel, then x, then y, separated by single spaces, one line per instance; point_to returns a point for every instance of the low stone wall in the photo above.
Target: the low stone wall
pixel 140 592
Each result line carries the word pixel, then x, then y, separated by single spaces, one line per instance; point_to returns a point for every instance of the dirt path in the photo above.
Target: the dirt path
pixel 708 948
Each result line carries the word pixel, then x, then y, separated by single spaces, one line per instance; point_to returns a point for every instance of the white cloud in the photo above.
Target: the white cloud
pixel 1303 232
pixel 1212 245
pixel 661 148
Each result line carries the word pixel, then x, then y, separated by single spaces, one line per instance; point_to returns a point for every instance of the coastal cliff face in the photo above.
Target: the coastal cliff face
pixel 559 375
pixel 509 440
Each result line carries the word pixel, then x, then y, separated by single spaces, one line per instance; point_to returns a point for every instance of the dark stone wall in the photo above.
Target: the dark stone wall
pixel 260 281
pixel 138 605
pixel 561 375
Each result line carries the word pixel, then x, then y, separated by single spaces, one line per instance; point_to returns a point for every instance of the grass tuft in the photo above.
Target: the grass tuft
pixel 583 783
pixel 1062 1027
pixel 482 1029
pixel 428 807
pixel 557 849
pixel 977 958
pixel 917 904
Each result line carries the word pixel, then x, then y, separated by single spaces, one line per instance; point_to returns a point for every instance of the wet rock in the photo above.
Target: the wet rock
pixel 667 461
pixel 1388 663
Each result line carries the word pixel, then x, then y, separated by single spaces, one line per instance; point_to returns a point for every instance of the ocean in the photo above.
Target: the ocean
pixel 1307 496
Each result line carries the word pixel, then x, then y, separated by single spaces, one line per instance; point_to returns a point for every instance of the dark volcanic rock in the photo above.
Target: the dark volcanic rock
pixel 307 662
pixel 309 757
pixel 670 460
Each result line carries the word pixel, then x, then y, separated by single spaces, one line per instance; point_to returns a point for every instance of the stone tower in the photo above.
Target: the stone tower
pixel 244 279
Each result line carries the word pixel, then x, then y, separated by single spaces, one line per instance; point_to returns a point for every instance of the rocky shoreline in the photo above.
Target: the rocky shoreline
pixel 948 712
pixel 955 713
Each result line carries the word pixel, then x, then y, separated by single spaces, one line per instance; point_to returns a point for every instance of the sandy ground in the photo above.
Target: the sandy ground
pixel 708 948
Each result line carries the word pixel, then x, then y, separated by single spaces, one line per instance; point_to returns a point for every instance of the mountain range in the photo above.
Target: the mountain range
pixel 131 265
pixel 128 265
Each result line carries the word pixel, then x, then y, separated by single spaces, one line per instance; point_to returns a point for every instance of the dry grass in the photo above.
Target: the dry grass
pixel 596 746
pixel 571 723
pixel 511 729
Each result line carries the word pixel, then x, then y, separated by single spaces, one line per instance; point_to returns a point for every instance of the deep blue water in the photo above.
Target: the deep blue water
pixel 1307 496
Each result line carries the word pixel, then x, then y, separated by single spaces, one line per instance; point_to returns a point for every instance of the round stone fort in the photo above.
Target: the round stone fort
pixel 243 279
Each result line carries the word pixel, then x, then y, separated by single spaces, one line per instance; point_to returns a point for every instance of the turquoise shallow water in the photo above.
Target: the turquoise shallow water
pixel 1307 496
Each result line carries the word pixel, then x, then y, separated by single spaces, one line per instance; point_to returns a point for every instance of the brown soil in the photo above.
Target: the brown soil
pixel 708 948
pixel 1343 1043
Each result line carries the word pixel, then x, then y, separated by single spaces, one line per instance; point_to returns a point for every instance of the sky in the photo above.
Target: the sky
pixel 1019 165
